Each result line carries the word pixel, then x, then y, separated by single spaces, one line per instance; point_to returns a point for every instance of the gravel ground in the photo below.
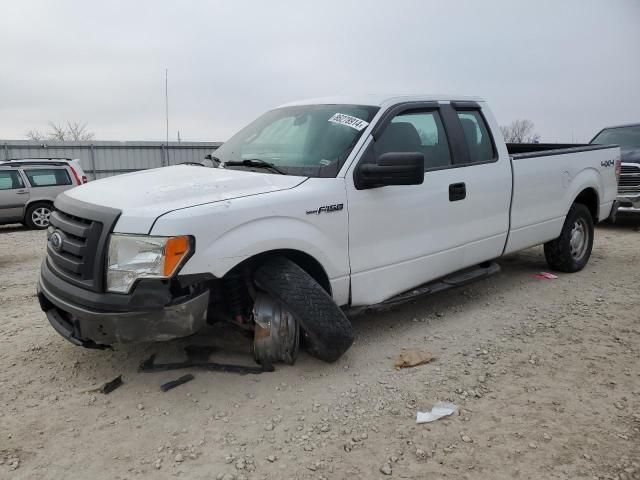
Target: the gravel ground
pixel 546 374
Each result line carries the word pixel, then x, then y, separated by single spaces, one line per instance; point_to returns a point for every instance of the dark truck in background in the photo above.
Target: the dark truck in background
pixel 628 137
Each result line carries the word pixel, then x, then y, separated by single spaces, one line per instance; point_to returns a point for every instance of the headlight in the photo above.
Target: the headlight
pixel 132 257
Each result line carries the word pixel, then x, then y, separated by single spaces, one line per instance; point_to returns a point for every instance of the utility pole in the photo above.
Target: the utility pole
pixel 166 107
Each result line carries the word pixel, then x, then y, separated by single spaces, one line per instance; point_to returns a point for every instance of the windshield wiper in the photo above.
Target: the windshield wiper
pixel 254 162
pixel 213 159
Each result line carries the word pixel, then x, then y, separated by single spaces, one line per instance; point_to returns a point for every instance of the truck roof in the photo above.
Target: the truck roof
pixel 622 126
pixel 379 100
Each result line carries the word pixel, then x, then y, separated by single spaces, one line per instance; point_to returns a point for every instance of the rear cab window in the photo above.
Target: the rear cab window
pixel 477 137
pixel 10 180
pixel 47 177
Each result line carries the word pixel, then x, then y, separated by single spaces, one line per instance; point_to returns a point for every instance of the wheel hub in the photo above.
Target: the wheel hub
pixel 276 334
pixel 41 216
pixel 578 240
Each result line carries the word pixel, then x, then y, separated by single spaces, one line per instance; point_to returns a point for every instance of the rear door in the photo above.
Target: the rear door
pixel 486 173
pixel 13 196
pixel 47 183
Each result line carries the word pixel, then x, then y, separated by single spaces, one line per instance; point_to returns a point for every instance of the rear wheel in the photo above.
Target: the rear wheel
pixel 38 215
pixel 328 333
pixel 570 252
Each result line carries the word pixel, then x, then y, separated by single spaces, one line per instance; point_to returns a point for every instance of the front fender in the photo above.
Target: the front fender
pixel 265 234
pixel 230 232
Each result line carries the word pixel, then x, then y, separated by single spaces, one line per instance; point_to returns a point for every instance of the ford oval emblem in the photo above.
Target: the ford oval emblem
pixel 56 241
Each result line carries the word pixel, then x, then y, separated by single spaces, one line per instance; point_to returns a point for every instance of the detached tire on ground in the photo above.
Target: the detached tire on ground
pixel 327 330
pixel 570 252
pixel 38 215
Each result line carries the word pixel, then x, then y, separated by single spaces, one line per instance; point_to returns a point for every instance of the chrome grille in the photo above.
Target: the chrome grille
pixel 84 227
pixel 630 169
pixel 629 179
pixel 74 258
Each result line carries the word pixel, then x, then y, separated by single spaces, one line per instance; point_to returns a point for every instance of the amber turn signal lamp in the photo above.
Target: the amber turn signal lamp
pixel 175 250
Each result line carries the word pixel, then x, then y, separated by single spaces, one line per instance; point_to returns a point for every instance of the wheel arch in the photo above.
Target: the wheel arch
pixel 589 198
pixel 303 259
pixel 38 200
pixel 32 202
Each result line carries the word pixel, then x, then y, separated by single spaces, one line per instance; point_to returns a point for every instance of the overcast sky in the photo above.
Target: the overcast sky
pixel 571 66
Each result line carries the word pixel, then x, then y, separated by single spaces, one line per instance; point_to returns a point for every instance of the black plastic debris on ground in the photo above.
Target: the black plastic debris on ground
pixel 165 387
pixel 198 357
pixel 112 385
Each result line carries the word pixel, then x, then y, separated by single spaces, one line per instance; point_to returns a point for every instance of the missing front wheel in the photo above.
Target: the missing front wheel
pixel 277 333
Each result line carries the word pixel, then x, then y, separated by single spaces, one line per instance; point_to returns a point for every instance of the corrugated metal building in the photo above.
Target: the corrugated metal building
pixel 104 158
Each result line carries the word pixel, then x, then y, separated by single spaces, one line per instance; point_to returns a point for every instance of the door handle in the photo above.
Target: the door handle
pixel 457 191
pixel 22 192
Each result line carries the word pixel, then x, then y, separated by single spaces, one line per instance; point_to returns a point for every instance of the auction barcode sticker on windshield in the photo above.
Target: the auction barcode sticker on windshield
pixel 349 121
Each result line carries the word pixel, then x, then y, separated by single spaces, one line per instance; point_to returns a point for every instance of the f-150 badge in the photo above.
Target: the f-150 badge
pixel 326 209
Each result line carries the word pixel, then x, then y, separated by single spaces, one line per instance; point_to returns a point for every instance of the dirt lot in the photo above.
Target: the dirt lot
pixel 546 373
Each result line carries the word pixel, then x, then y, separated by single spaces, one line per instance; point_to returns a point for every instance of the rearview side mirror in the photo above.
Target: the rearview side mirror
pixel 393 168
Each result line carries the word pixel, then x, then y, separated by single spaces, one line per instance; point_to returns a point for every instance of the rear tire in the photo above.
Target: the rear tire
pixel 38 215
pixel 328 332
pixel 570 252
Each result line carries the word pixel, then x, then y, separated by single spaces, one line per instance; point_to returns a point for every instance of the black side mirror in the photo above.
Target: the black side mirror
pixel 393 168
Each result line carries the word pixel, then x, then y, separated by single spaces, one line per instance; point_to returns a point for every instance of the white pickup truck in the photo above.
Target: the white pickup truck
pixel 316 208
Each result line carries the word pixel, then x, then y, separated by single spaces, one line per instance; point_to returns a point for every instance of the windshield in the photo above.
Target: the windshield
pixel 626 137
pixel 306 140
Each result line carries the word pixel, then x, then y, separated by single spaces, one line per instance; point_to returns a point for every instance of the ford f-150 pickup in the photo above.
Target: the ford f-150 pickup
pixel 314 209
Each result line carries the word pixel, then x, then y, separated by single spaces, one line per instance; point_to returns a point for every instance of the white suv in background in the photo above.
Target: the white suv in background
pixel 28 187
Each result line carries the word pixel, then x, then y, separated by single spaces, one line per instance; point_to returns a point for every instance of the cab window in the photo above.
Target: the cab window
pixel 416 131
pixel 10 180
pixel 476 135
pixel 46 177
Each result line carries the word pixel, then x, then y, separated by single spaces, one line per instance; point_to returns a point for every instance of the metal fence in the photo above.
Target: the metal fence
pixel 105 159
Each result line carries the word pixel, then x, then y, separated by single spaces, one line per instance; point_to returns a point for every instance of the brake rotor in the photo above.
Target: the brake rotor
pixel 277 332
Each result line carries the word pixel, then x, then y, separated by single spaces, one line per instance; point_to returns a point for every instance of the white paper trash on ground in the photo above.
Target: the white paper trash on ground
pixel 439 410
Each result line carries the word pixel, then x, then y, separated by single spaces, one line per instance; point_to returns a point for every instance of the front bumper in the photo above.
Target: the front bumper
pixel 629 202
pixel 94 320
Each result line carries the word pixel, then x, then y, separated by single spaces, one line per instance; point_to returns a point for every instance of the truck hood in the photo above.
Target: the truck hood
pixel 630 155
pixel 143 196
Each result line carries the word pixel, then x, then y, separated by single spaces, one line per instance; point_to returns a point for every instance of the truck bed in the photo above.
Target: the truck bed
pixel 547 177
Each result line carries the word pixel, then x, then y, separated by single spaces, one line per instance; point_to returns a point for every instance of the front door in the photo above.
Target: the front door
pixel 13 196
pixel 403 236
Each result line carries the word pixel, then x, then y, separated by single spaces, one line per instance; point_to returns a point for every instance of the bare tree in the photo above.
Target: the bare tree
pixel 78 132
pixel 520 131
pixel 57 132
pixel 34 134
pixel 71 131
